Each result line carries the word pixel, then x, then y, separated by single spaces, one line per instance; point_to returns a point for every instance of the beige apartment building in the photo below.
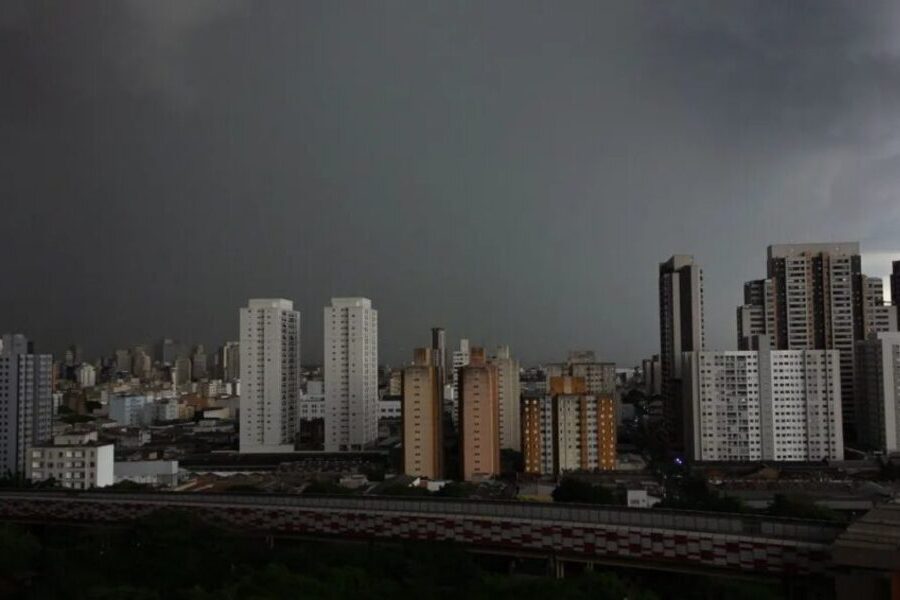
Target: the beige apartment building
pixel 422 417
pixel 479 418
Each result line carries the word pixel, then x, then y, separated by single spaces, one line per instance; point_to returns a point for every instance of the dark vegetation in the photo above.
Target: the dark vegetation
pixel 171 555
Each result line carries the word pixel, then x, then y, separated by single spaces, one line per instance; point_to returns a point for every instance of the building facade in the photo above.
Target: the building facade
pixel 569 429
pixel 86 375
pixel 878 386
pixel 270 375
pixel 749 405
pixel 681 329
pixel 351 374
pixel 479 418
pixel 459 359
pixel 815 297
pixel 509 398
pixel 26 401
pixel 73 461
pixel 423 417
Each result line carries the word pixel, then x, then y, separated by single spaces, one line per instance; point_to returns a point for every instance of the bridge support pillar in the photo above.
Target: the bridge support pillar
pixel 559 568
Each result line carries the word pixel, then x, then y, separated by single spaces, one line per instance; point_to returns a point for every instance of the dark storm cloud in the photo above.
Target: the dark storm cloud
pixel 512 171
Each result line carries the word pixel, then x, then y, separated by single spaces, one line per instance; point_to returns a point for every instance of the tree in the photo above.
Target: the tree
pixel 571 489
pixel 800 507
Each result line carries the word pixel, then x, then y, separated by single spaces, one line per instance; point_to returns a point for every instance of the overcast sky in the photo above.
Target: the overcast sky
pixel 513 171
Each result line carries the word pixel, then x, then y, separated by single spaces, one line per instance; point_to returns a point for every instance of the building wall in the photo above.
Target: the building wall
pixel 509 399
pixel 763 405
pixel 681 330
pixel 817 304
pixel 26 401
pixel 878 380
pixel 270 375
pixel 569 429
pixel 75 467
pixel 479 410
pixel 351 374
pixel 422 416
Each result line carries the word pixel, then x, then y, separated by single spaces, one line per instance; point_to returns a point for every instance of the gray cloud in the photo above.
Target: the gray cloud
pixel 513 171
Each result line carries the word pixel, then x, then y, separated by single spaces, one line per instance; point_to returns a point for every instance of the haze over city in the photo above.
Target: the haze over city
pixel 511 171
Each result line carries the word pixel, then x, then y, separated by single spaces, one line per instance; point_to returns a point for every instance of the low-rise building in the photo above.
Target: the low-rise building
pixel 75 460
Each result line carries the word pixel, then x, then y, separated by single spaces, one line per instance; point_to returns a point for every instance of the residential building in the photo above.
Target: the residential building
pixel 395 383
pixel 878 386
pixel 199 363
pixel 459 359
pixel 873 316
pixel 131 410
pixel 230 361
pixel 86 375
pixel 479 418
pixel 123 361
pixel 681 330
pixel 509 398
pixel 75 461
pixel 423 416
pixel 141 363
pixel 895 283
pixel 351 374
pixel 270 375
pixel 813 298
pixel 651 370
pixel 181 371
pixel 26 400
pixel 569 429
pixel 774 405
pixel 439 351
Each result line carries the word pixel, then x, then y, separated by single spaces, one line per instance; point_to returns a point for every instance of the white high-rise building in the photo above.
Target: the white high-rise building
pixel 351 374
pixel 508 394
pixel 270 375
pixel 748 405
pixel 26 401
pixel 86 375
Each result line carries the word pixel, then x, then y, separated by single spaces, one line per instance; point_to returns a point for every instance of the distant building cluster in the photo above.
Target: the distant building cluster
pixel 815 370
pixel 815 366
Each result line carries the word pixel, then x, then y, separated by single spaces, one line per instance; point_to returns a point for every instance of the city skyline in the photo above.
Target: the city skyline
pixel 314 331
pixel 511 175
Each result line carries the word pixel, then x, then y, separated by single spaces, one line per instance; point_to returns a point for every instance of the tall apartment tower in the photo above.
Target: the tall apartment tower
pixel 509 399
pixel 422 417
pixel 878 388
pixel 815 298
pixel 479 418
pixel 351 374
pixel 26 401
pixel 439 351
pixel 270 375
pixel 680 330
